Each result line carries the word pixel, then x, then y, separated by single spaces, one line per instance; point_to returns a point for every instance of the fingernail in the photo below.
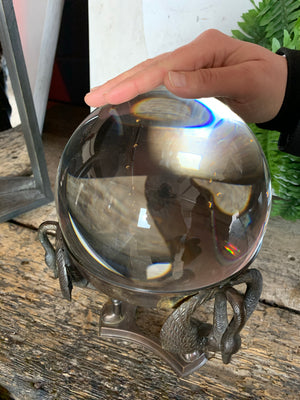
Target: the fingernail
pixel 177 79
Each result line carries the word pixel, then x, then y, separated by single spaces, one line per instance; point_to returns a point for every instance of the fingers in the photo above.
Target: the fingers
pixel 209 82
pixel 117 93
pixel 241 74
pixel 142 78
pixel 128 84
pixel 208 50
pixel 147 75
pixel 129 88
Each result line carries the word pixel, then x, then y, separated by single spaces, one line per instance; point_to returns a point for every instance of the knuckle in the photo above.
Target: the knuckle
pixel 211 34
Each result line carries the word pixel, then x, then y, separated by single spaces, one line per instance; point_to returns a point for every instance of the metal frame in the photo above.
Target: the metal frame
pixel 21 194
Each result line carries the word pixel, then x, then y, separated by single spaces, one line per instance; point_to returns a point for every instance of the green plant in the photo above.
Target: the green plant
pixel 267 20
pixel 250 28
pixel 273 24
pixel 289 40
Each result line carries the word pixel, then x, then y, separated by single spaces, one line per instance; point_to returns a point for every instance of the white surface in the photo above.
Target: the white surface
pixel 126 32
pixel 116 37
pixel 169 24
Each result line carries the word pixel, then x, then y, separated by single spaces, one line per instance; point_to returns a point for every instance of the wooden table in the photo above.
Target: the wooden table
pixel 51 349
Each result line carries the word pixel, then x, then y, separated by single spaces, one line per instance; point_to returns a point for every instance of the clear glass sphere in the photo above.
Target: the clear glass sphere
pixel 163 194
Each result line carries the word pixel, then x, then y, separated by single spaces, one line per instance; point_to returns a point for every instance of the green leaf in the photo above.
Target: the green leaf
pixel 287 40
pixel 273 24
pixel 281 15
pixel 250 30
pixel 285 174
pixel 275 45
pixel 268 19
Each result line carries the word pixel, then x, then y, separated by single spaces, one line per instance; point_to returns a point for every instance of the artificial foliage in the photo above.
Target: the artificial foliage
pixel 268 19
pixel 250 28
pixel 273 24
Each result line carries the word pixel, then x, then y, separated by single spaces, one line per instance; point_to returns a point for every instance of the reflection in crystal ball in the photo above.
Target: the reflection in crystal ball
pixel 163 194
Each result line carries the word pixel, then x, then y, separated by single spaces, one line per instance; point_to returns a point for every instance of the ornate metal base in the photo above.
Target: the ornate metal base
pixel 185 342
pixel 118 320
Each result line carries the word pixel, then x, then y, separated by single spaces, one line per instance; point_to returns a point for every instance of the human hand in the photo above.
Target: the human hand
pixel 250 79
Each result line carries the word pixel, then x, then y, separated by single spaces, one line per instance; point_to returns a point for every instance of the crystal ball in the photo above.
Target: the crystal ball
pixel 162 194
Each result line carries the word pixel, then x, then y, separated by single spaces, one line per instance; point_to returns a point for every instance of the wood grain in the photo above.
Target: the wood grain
pixel 278 259
pixel 51 349
pixel 279 263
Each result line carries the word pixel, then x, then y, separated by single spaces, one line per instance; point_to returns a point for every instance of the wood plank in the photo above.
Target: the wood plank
pixel 279 263
pixel 278 259
pixel 51 349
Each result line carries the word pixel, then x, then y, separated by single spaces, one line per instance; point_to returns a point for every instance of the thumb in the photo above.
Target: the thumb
pixel 206 82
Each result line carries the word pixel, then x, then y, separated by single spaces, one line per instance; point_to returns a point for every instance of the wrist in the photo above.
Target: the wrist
pixel 288 116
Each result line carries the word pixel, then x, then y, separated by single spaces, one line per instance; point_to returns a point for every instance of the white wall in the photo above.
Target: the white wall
pixel 39 23
pixel 125 32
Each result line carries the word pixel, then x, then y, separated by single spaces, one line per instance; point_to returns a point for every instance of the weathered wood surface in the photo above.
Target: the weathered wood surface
pixel 279 263
pixel 50 348
pixel 278 259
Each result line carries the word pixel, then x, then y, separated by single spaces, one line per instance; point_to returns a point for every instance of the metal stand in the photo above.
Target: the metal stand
pixel 20 194
pixel 117 320
pixel 184 342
